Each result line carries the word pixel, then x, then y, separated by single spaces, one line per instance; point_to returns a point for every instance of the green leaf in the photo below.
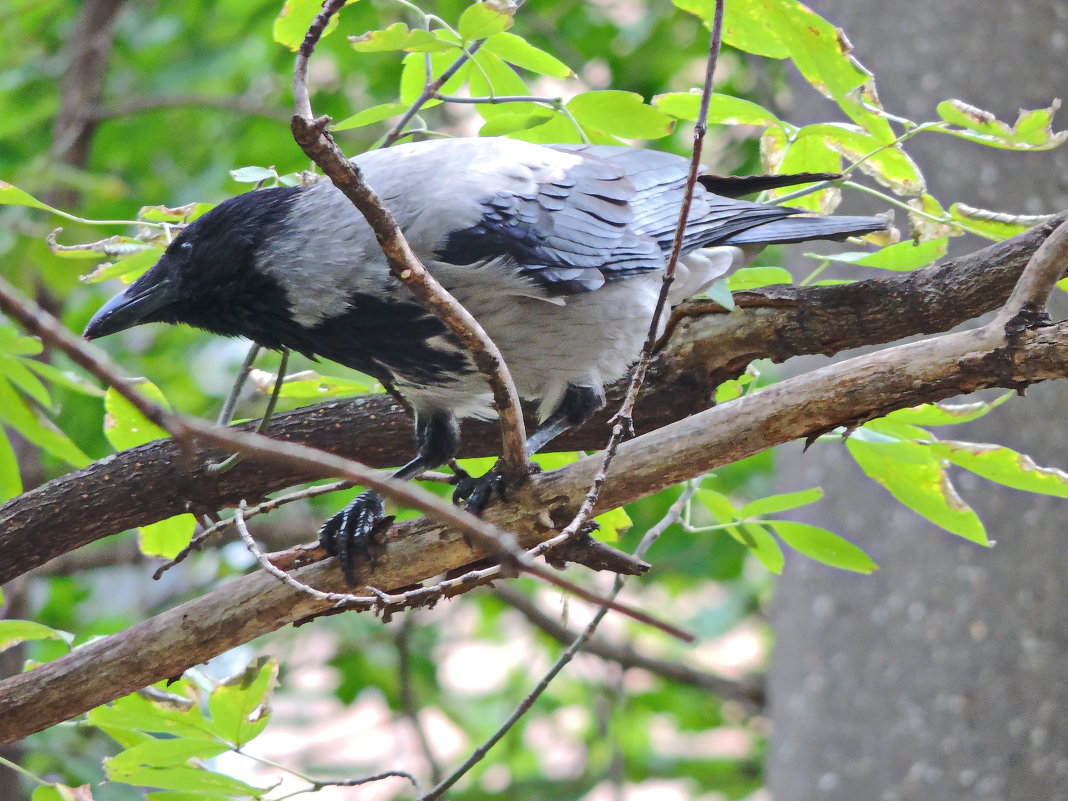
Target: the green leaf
pixel 414 78
pixel 1004 466
pixel 732 388
pixel 493 77
pixel 823 546
pixel 292 23
pixel 15 413
pixel 16 371
pixel 612 524
pixel 308 384
pixel 753 277
pixel 54 792
pixel 620 114
pixel 781 503
pixel 512 122
pixel 189 779
pixel 399 37
pixel 10 477
pixel 721 293
pixel 128 268
pixel 887 429
pixel 125 426
pixel 823 55
pixel 12 632
pixel 164 753
pixel 68 380
pixel 238 707
pixel 13 196
pixel 718 505
pixel 923 227
pixel 763 547
pixel 912 474
pixel 744 26
pixel 369 116
pixel 13 343
pixel 900 257
pixel 165 538
pixel 178 795
pixel 517 50
pixel 138 713
pixel 1003 226
pixel 943 414
pixel 807 151
pixel 557 130
pixel 485 19
pixel 887 164
pixel 722 109
pixel 179 214
pixel 1033 129
pixel 253 175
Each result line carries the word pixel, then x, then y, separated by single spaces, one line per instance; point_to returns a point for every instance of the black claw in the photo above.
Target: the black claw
pixel 349 535
pixel 476 493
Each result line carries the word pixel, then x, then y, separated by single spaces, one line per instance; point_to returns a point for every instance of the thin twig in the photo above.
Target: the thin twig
pixel 197 543
pixel 751 695
pixel 339 598
pixel 428 93
pixel 623 419
pixel 387 774
pixel 311 135
pixel 409 705
pixel 622 424
pixel 521 709
pixel 494 99
pixel 186 429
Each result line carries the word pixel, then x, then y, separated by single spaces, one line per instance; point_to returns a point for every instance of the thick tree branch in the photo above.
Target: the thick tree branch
pixel 841 394
pixel 154 481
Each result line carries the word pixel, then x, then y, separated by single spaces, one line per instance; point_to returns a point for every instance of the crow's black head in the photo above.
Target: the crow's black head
pixel 208 276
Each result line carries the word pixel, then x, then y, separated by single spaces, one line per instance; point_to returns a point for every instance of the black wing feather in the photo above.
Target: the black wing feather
pixel 614 213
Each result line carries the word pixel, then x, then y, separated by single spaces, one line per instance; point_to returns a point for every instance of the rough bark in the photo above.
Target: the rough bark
pixel 155 481
pixel 801 407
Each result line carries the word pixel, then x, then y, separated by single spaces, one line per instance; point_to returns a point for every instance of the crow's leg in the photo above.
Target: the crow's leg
pixel 577 406
pixel 349 534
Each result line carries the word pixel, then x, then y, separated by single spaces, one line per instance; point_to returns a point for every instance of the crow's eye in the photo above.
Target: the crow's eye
pixel 186 248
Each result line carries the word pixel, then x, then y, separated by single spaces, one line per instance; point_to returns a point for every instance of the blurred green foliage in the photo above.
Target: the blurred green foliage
pixel 196 105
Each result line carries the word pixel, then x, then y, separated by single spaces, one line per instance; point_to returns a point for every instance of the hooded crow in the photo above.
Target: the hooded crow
pixel 557 250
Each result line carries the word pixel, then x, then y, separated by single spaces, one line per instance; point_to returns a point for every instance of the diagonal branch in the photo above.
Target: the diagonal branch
pixel 845 393
pixel 318 145
pixel 153 482
pixel 1030 296
pixel 748 694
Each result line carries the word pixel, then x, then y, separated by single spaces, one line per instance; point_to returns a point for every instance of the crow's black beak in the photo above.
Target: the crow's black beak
pixel 131 307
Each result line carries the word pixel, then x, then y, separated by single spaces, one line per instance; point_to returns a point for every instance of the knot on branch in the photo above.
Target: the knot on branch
pixel 1029 316
pixel 306 131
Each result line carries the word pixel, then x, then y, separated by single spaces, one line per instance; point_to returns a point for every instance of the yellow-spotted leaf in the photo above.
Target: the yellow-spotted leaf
pixel 1004 466
pixel 1033 129
pixel 914 476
